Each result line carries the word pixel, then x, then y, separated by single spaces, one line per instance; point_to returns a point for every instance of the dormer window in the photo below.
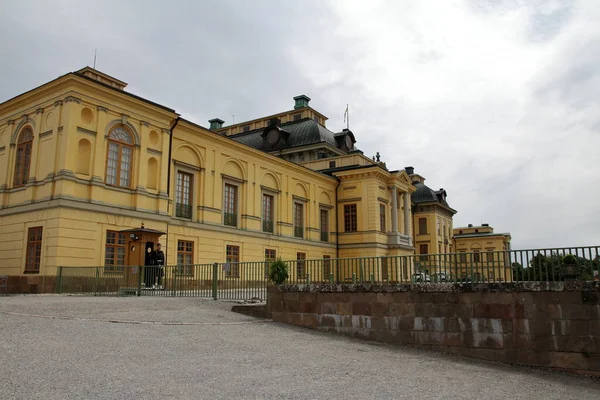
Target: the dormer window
pixel 348 142
pixel 273 137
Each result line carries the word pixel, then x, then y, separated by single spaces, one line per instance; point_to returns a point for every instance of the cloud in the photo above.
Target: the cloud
pixel 495 101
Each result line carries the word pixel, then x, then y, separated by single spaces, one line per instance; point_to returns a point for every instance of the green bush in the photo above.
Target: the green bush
pixel 278 272
pixel 569 259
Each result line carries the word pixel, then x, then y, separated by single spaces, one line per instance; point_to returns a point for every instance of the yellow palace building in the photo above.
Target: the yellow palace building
pixel 82 160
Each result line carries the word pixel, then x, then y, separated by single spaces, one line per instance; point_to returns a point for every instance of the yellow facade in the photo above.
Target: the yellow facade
pixel 432 218
pixel 102 160
pixel 483 252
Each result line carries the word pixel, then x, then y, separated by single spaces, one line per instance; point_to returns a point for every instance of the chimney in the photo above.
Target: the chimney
pixel 216 123
pixel 301 101
pixel 409 170
pixel 274 122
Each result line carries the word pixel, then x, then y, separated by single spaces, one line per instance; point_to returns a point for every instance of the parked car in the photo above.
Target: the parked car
pixel 421 278
pixel 441 277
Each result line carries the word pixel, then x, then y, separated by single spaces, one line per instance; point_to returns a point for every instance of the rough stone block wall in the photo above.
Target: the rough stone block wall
pixel 30 284
pixel 538 324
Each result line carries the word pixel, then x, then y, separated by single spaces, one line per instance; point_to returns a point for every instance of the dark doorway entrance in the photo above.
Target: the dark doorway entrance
pixel 150 270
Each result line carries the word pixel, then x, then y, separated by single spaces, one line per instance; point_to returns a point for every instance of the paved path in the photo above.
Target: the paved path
pixel 54 347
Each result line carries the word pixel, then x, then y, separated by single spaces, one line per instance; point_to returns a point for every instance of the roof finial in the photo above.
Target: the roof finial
pixel 377 155
pixel 142 224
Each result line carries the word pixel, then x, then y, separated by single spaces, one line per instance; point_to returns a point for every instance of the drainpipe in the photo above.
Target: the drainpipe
pixel 169 186
pixel 337 226
pixel 169 166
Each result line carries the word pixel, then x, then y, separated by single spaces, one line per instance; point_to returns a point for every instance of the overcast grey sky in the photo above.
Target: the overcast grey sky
pixel 498 102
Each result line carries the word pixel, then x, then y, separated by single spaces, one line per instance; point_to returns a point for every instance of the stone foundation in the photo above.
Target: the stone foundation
pixel 537 324
pixel 30 284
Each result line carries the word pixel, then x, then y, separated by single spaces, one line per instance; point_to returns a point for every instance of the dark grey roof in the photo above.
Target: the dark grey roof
pixel 423 194
pixel 292 134
pixel 483 234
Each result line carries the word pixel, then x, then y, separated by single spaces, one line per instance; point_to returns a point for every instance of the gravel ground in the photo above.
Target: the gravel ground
pixel 60 347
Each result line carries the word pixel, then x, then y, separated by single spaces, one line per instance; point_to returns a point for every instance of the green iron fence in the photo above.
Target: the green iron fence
pixel 247 280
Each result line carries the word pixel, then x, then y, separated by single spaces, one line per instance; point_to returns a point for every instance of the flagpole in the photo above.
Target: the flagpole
pixel 347 118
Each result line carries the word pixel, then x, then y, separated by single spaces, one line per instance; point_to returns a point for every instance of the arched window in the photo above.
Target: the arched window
pixel 23 159
pixel 120 154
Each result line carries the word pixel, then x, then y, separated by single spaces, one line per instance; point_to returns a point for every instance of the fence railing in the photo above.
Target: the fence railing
pixel 267 226
pixel 324 236
pixel 183 210
pixel 246 280
pixel 230 219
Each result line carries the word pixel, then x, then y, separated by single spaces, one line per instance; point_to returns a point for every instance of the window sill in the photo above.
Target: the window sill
pixel 31 272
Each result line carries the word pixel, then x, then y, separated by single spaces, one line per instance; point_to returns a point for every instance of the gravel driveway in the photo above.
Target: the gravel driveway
pixel 60 347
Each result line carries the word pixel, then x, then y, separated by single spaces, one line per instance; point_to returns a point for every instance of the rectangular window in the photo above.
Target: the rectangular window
pixel 476 257
pixel 300 265
pixel 232 258
pixel 490 256
pixel 350 224
pixel 111 163
pixel 114 254
pixel 246 128
pixel 445 230
pixel 422 226
pixel 331 164
pixel 439 227
pixel 230 205
pixel 125 166
pixel 23 163
pixel 268 213
pixel 324 225
pixel 382 217
pixel 34 249
pixel 299 220
pixel 183 195
pixel 463 257
pixel 423 250
pixel 185 257
pixel 316 119
pixel 270 256
pixel 297 117
pixel 326 267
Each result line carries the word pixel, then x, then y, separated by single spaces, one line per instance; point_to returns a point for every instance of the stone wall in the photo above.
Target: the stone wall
pixel 553 325
pixel 30 284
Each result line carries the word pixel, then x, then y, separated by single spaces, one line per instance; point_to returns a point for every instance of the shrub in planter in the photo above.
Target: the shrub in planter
pixel 569 270
pixel 278 272
pixel 569 259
